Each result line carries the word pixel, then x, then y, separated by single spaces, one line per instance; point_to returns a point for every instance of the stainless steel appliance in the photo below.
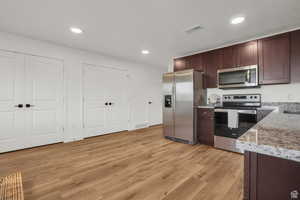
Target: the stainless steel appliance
pixel 183 92
pixel 246 106
pixel 239 77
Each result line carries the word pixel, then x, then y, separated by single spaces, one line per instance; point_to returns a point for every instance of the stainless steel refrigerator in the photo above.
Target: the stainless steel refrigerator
pixel 182 93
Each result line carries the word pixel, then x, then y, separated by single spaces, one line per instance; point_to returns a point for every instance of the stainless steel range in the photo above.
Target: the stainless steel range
pixel 237 115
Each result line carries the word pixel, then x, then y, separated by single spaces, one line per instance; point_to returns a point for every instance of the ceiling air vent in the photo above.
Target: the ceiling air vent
pixel 193 29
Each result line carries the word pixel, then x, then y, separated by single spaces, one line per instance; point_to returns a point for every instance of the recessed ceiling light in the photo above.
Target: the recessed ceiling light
pixel 237 20
pixel 145 52
pixel 76 30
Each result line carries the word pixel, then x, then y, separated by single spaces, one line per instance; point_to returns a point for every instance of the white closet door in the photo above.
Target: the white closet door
pixel 104 86
pixel 12 133
pixel 44 94
pixel 118 110
pixel 95 86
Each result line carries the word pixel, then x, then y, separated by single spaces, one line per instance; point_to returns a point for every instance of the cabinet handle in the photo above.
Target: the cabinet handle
pixel 106 104
pixel 110 103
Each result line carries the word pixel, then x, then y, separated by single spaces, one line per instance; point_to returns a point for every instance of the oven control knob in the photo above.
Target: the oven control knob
pixel 251 97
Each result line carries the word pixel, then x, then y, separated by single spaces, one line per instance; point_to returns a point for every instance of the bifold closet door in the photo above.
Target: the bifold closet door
pixel 12 135
pixel 104 100
pixel 44 106
pixel 31 101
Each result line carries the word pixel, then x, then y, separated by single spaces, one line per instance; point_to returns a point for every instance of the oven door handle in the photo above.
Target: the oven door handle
pixel 251 112
pixel 221 110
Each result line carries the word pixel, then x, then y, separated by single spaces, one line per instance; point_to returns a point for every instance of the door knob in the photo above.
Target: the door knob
pixel 19 106
pixel 28 105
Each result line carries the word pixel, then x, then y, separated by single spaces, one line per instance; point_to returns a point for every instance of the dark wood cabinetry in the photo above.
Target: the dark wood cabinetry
pixel 240 55
pixel 205 126
pixel 228 56
pixel 211 62
pixel 180 64
pixel 246 54
pixel 295 56
pixel 268 177
pixel 278 59
pixel 189 62
pixel 195 62
pixel 274 59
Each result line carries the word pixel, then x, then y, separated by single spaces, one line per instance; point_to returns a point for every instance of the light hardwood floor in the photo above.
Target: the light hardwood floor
pixel 137 165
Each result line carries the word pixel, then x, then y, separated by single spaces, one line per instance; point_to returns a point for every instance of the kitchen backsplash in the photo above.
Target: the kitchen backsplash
pixel 285 93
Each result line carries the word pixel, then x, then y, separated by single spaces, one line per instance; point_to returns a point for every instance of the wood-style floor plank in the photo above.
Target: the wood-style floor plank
pixel 132 165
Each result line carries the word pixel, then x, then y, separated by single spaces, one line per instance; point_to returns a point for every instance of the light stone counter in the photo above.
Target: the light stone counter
pixel 277 135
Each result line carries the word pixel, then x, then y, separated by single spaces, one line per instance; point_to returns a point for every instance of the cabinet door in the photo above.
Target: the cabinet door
pixel 273 183
pixel 295 56
pixel 268 177
pixel 274 59
pixel 212 61
pixel 205 126
pixel 195 62
pixel 246 54
pixel 228 55
pixel 180 64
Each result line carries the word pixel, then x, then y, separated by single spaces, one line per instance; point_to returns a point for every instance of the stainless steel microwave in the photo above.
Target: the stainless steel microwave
pixel 239 77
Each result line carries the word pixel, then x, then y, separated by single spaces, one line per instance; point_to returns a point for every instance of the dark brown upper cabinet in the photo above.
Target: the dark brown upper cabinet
pixel 180 64
pixel 189 62
pixel 212 60
pixel 239 55
pixel 295 56
pixel 195 62
pixel 228 56
pixel 246 54
pixel 274 59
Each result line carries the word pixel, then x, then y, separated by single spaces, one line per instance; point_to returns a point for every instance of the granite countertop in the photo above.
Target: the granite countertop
pixel 277 135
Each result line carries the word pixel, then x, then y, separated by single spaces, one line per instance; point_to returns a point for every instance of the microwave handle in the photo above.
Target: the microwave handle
pixel 248 76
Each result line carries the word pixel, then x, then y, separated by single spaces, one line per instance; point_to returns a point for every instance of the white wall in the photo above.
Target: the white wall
pixel 145 81
pixel 270 93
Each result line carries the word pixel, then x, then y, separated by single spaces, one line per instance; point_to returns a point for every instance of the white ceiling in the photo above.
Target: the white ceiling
pixel 122 28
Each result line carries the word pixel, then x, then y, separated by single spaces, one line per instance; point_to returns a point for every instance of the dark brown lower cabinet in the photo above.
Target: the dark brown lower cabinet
pixel 206 125
pixel 270 178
